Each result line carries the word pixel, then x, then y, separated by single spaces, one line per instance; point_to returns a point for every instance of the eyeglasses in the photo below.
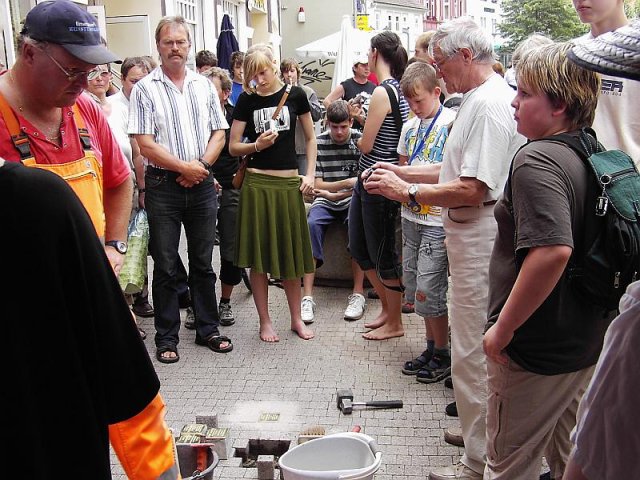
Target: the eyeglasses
pixel 438 65
pixel 99 72
pixel 177 43
pixel 71 75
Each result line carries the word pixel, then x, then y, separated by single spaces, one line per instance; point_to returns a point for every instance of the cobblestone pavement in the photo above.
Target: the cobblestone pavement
pixel 298 379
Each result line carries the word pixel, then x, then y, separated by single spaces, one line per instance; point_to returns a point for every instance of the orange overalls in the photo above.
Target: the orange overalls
pixel 84 175
pixel 143 443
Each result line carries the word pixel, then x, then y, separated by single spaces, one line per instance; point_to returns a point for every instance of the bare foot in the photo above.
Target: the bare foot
pixel 384 332
pixel 268 334
pixel 380 320
pixel 301 329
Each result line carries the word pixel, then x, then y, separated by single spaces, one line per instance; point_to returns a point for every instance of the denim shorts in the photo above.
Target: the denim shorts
pixel 425 268
pixel 372 239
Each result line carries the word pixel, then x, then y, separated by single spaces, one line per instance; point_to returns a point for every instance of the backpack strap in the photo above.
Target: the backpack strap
pixel 18 137
pixel 395 107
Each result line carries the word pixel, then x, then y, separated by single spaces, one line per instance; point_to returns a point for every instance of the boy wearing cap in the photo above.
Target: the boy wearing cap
pixel 356 90
pixel 56 126
pixel 616 123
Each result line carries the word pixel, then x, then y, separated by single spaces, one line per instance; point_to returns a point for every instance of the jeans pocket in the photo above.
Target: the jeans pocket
pixel 153 181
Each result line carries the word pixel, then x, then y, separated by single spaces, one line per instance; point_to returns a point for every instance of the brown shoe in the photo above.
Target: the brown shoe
pixel 453 435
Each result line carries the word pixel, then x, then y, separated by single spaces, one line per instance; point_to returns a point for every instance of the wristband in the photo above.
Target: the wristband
pixel 255 145
pixel 204 164
pixel 142 190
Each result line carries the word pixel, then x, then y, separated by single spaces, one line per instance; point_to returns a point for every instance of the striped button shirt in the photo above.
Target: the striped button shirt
pixel 182 122
pixel 385 144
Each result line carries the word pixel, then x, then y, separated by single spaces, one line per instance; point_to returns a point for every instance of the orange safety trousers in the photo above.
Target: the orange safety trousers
pixel 144 444
pixel 84 175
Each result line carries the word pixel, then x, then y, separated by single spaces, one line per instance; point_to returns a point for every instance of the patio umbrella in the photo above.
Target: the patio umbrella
pixel 227 43
pixel 345 55
pixel 328 47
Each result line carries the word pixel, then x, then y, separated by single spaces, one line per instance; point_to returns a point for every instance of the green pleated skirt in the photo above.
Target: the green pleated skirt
pixel 272 230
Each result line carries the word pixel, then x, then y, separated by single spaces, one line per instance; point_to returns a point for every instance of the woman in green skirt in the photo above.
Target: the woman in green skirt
pixel 273 235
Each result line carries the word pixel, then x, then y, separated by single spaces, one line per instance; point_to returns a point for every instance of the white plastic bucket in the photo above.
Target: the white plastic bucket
pixel 342 456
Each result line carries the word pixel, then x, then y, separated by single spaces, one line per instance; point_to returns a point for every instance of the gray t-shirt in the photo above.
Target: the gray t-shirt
pixel 543 205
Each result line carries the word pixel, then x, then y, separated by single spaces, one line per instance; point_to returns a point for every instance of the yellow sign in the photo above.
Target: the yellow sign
pixel 362 22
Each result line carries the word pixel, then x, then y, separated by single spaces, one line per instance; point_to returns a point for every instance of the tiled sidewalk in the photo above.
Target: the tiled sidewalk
pixel 298 379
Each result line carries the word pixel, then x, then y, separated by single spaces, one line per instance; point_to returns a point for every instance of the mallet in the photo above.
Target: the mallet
pixel 346 403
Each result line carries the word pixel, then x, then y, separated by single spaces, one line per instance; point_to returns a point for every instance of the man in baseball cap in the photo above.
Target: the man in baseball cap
pixel 46 121
pixel 74 29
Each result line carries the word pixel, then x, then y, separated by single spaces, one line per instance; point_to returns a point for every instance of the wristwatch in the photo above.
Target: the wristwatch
pixel 120 246
pixel 413 203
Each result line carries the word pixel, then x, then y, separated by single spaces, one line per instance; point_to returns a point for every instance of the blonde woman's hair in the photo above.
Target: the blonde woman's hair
pixel 547 70
pixel 424 39
pixel 259 57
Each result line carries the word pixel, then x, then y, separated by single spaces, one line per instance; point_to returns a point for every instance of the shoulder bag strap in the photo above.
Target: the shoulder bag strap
pixel 281 104
pixel 395 108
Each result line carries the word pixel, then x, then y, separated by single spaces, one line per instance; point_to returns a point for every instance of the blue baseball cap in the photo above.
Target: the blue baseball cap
pixel 64 23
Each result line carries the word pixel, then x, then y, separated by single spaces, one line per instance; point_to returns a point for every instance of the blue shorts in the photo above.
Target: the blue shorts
pixel 425 268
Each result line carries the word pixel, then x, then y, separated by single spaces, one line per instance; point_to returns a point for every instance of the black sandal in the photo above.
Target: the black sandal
pixel 214 342
pixel 412 367
pixel 161 350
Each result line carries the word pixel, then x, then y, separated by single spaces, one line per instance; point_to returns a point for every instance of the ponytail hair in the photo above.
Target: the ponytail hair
pixel 389 47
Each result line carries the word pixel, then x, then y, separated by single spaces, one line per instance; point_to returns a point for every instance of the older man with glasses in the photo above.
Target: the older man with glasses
pixel 45 122
pixel 474 169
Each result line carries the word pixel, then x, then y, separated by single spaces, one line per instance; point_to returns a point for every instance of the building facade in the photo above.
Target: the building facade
pixel 129 26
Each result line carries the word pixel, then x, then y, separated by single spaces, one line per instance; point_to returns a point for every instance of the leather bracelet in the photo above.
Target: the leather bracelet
pixel 204 164
pixel 142 190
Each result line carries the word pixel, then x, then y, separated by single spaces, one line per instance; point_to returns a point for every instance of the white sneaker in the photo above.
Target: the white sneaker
pixel 308 308
pixel 355 309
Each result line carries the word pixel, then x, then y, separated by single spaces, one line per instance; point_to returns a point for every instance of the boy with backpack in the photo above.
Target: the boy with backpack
pixel 543 337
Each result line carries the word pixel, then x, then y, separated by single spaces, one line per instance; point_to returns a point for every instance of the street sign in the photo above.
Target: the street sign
pixel 362 22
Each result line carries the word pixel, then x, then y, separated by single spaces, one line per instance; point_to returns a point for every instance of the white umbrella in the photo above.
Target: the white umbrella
pixel 328 47
pixel 344 60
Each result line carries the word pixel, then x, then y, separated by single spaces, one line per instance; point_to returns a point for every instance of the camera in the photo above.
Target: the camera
pixel 270 124
pixel 357 100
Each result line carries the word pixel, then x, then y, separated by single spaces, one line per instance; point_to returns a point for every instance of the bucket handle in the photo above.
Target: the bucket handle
pixel 200 475
pixel 363 474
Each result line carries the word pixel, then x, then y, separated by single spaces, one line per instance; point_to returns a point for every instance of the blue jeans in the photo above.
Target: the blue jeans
pixel 169 206
pixel 319 219
pixel 425 268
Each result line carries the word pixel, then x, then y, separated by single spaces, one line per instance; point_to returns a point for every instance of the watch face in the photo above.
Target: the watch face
pixel 121 247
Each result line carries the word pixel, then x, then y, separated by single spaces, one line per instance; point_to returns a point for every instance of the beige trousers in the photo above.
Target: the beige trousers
pixel 530 416
pixel 470 233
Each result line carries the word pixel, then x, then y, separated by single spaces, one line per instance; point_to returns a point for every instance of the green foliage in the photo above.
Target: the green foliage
pixel 557 19
pixel 632 8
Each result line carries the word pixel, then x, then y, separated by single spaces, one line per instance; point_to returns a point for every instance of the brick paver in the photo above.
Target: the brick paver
pixel 298 379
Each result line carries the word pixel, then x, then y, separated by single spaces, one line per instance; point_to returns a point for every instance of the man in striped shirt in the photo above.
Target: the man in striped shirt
pixel 176 118
pixel 336 174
